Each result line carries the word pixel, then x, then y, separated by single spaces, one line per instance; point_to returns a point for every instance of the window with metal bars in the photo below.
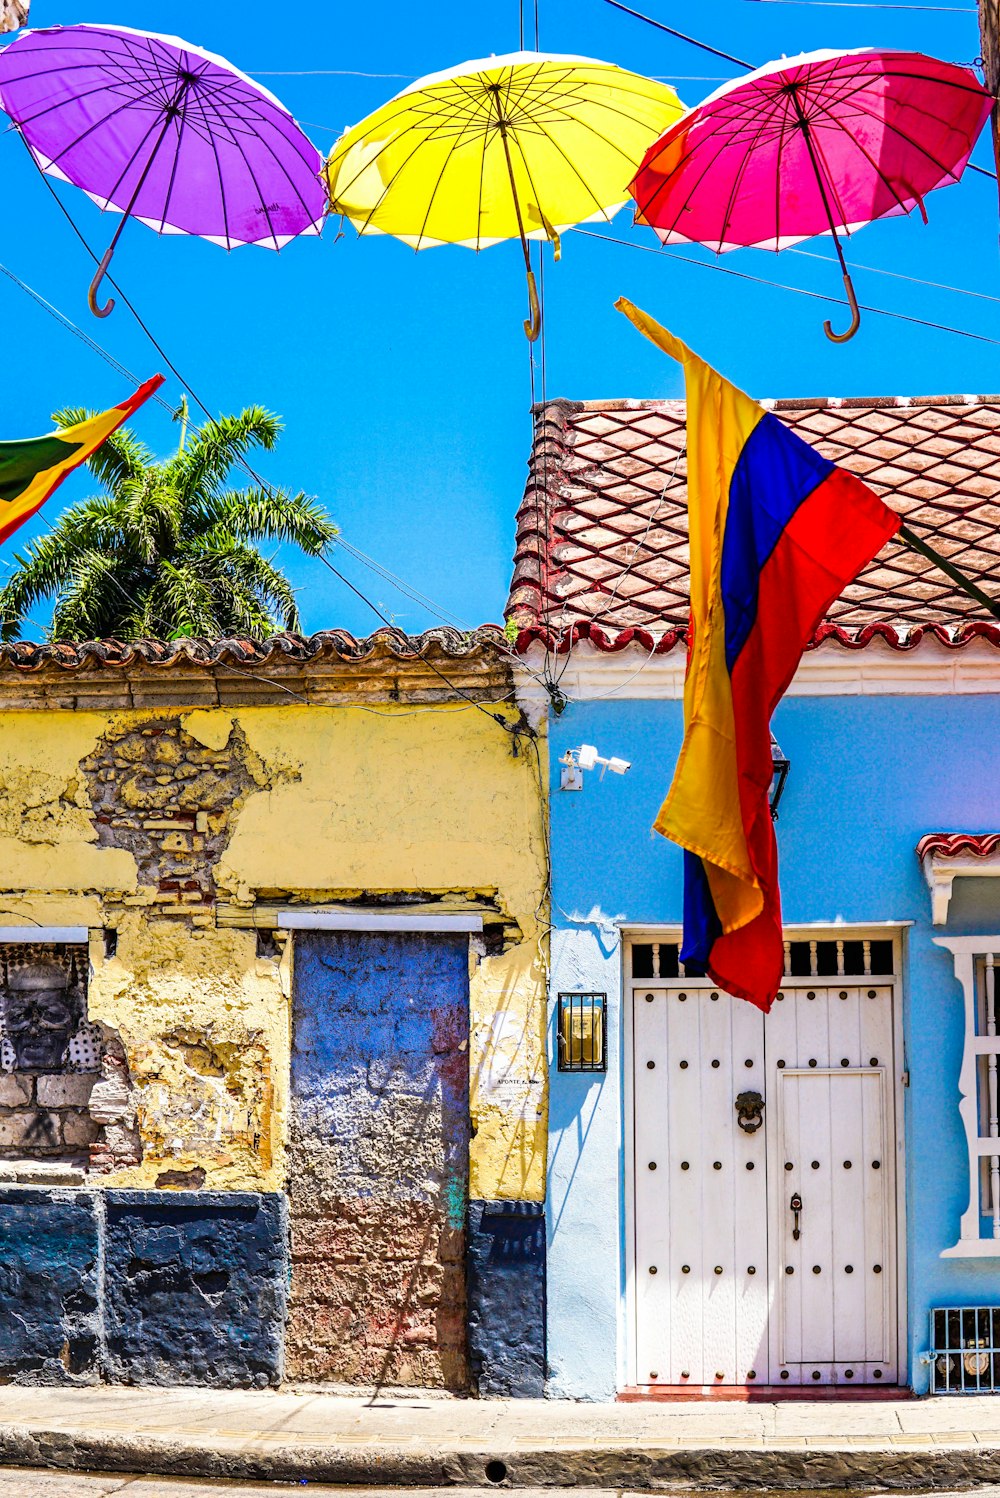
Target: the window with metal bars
pixel 583 1032
pixel 847 957
pixel 964 1354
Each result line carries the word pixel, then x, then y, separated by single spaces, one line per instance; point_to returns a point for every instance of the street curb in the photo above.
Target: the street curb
pixel 878 1469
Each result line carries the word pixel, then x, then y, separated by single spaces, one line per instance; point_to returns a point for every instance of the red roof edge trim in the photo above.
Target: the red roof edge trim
pixel 560 643
pixel 953 844
pixel 563 642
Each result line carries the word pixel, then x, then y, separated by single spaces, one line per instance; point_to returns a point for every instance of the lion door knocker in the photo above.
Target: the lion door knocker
pixel 749 1111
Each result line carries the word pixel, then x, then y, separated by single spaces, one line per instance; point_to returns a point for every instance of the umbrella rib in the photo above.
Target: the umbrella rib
pixel 108 198
pixel 262 140
pixel 130 103
pixel 427 138
pixel 668 177
pixel 434 190
pixel 914 144
pixel 173 171
pixel 566 114
pixel 886 181
pixel 218 170
pixel 347 144
pixel 738 179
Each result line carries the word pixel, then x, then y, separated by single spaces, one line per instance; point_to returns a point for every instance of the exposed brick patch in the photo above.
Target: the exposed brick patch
pixel 74 1104
pixel 171 802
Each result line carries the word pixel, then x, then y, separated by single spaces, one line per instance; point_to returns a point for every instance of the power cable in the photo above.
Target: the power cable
pixel 514 732
pixel 897 275
pixel 496 717
pixel 818 296
pixel 681 36
pixel 92 344
pixel 954 10
pixel 398 582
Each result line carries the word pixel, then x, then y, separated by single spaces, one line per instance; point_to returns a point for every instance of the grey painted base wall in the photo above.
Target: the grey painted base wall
pixel 146 1287
pixel 506 1296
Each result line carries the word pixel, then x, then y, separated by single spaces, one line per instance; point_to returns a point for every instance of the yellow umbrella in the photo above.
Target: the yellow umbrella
pixel 521 146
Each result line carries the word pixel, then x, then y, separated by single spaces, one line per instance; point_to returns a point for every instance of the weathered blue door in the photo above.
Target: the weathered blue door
pixel 378 1158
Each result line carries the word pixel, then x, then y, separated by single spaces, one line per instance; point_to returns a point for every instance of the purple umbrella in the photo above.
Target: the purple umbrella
pixel 163 132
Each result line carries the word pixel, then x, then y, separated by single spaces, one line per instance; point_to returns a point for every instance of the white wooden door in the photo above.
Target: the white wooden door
pixel 701 1278
pixel 725 1293
pixel 831 1145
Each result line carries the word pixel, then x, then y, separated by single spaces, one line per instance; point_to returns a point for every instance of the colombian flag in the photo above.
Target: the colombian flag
pixel 776 534
pixel 33 469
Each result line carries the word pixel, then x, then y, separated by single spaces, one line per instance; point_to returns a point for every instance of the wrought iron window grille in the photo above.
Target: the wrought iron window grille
pixel 964 1354
pixel 583 1032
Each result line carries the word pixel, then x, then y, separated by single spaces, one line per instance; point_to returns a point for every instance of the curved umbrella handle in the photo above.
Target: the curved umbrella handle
pixel 855 316
pixel 534 327
pixel 95 284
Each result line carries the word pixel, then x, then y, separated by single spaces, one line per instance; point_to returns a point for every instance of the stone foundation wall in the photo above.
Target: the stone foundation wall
pixel 142 1287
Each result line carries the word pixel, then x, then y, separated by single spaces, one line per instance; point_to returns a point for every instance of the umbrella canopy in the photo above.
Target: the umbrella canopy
pixel 164 132
pixel 821 143
pixel 521 146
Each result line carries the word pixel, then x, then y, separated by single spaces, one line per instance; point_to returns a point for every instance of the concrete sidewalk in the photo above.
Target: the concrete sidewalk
pixel 430 1441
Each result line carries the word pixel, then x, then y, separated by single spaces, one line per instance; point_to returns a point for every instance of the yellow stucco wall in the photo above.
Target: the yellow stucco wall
pixel 333 802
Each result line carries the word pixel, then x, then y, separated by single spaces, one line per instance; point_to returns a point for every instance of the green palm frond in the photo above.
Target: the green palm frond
pixel 270 515
pixel 206 462
pixel 121 456
pixel 167 551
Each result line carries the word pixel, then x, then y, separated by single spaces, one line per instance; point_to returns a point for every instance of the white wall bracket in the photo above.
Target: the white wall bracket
pixel 947 856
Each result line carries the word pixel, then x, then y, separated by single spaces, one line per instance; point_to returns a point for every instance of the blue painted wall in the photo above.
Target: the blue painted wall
pixel 142 1287
pixel 507 1298
pixel 869 776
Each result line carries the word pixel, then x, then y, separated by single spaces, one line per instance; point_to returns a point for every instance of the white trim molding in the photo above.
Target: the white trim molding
pixel 376 920
pixel 45 935
pixel 928 669
pixel 976 961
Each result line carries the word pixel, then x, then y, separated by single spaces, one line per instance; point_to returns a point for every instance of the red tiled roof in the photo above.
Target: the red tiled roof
pixel 602 552
pixel 330 645
pixel 955 844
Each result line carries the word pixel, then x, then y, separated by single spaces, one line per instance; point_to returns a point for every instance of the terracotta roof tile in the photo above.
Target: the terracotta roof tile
pixel 602 530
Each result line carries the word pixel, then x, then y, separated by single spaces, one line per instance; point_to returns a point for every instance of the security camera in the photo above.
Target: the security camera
pixel 586 757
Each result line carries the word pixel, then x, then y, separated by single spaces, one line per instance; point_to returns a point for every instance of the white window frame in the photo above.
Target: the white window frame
pixel 977 968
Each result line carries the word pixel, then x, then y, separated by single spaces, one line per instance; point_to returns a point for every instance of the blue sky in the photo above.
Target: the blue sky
pixel 403 379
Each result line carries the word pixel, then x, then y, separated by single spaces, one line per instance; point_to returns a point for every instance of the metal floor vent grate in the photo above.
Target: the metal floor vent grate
pixel 965 1350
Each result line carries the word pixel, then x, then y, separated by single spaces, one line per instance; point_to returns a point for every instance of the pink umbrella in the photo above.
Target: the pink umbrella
pixel 824 142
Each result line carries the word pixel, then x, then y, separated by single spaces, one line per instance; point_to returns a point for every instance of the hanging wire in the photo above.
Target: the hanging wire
pixel 514 731
pixel 681 36
pixel 70 326
pixel 953 10
pixel 817 296
pixel 879 270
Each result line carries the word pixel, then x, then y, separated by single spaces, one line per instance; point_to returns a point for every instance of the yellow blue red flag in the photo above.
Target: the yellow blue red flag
pixel 776 533
pixel 30 471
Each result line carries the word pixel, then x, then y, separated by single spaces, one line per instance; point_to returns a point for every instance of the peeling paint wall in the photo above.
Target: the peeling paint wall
pixel 379 1158
pixel 147 823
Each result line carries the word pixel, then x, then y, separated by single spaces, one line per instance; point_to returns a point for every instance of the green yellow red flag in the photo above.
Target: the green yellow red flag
pixel 31 470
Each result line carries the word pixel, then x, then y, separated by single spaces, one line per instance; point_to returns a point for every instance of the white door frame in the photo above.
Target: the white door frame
pixel 894 931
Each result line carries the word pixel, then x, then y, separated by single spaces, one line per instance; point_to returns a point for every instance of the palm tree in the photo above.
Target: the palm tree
pixel 168 550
